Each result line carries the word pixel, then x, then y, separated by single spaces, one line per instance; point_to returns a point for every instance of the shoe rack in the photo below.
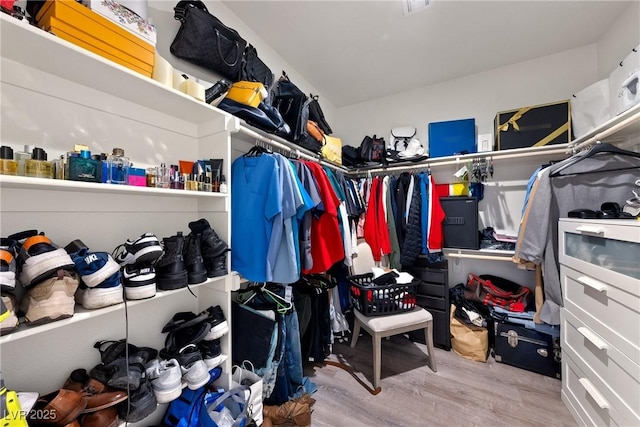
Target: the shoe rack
pixel 55 95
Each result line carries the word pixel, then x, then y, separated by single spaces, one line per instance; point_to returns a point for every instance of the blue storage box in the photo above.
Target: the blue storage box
pixel 452 137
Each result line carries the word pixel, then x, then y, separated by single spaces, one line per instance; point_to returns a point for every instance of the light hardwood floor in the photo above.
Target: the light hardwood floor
pixel 461 393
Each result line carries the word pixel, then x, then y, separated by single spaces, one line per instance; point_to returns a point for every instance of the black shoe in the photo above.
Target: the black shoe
pixel 211 352
pixel 217 91
pixel 211 247
pixel 196 271
pixel 171 271
pixel 140 404
pixel 219 325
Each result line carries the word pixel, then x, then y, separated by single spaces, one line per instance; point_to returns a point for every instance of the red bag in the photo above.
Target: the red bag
pixel 496 291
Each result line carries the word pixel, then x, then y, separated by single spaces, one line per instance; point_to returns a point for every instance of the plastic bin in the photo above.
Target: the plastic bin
pixel 378 300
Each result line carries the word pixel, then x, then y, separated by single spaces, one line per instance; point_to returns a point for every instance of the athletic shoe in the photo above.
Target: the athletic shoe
pixel 196 271
pixel 219 325
pixel 211 246
pixel 171 271
pixel 194 369
pixel 105 294
pixel 141 403
pixel 39 258
pixel 118 375
pixel 189 335
pixel 211 352
pixel 94 267
pixel 139 281
pixel 8 320
pixel 145 248
pixel 8 264
pixel 166 379
pixel 51 299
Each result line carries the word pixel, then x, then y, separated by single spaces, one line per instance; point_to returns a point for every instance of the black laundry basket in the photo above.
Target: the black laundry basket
pixel 378 300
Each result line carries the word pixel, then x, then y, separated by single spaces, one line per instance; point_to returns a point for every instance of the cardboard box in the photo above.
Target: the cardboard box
pixel 124 17
pixel 80 25
pixel 624 83
pixel 452 137
pixel 534 126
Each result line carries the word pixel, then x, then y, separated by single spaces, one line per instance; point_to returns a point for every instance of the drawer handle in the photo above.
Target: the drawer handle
pixel 595 394
pixel 592 283
pixel 591 336
pixel 590 230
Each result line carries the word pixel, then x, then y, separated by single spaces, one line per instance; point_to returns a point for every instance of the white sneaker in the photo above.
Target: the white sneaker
pixel 166 379
pixel 107 293
pixel 51 299
pixel 194 369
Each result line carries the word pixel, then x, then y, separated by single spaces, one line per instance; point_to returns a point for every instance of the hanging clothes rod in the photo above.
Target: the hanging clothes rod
pixel 297 152
pixel 626 119
pixel 462 159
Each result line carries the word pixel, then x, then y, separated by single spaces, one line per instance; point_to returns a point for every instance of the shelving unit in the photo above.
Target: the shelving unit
pixel 486 254
pixel 55 95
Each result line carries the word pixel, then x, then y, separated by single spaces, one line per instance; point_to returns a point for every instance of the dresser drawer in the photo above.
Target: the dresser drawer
pixel 616 370
pixel 432 289
pixel 430 275
pixel 432 302
pixel 597 404
pixel 608 310
pixel 605 250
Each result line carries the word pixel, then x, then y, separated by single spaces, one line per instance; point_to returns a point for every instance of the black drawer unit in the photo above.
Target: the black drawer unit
pixel 432 293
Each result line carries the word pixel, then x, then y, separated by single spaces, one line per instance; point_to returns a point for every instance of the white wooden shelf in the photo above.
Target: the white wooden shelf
pixel 29 183
pixel 82 314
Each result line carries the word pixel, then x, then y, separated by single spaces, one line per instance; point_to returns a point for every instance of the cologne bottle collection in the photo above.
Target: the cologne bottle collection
pixel 115 168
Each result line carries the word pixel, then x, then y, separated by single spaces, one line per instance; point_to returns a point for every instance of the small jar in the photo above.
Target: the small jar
pixel 118 167
pixel 8 166
pixel 151 177
pixel 38 166
pixel 163 176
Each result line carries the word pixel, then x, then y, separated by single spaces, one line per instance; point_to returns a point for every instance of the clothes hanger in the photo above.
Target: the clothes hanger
pixel 598 148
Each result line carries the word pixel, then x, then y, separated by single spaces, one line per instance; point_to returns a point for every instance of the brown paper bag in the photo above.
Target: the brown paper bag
pixel 468 341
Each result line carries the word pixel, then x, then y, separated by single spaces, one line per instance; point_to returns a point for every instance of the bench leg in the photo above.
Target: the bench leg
pixel 356 332
pixel 428 335
pixel 377 359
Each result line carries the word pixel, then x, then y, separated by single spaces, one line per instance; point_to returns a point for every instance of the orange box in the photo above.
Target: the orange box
pixel 94 26
pixel 83 44
pixel 77 37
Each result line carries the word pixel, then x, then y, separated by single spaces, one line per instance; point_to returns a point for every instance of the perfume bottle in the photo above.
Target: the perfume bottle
pixel 118 167
pixel 83 168
pixel 223 184
pixel 21 157
pixel 38 166
pixel 8 166
pixel 163 176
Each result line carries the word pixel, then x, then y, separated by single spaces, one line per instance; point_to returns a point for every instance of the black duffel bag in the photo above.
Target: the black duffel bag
pixel 263 117
pixel 205 41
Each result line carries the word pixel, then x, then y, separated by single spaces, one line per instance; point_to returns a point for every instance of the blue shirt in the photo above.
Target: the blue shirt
pixel 256 199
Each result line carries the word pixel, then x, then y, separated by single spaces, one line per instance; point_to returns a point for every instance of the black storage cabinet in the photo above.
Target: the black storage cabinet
pixel 460 226
pixel 432 293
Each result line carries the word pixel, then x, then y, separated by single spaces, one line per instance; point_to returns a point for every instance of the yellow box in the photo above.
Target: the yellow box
pixel 95 26
pixel 77 37
pixel 248 93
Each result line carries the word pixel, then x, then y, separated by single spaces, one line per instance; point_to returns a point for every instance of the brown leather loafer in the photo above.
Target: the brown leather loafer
pixel 58 408
pixel 99 395
pixel 103 418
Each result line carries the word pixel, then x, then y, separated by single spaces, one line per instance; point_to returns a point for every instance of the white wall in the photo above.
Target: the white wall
pixel 478 96
pixel 616 43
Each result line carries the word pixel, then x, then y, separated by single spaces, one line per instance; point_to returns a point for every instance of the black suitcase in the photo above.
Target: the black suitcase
pixel 527 348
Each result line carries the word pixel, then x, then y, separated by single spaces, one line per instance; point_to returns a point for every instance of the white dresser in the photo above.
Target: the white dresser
pixel 600 274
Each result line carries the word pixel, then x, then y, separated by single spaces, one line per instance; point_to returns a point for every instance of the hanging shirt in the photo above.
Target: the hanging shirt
pixel 281 255
pixel 255 201
pixel 326 242
pixel 376 233
pixel 309 184
pixel 303 210
pixel 435 238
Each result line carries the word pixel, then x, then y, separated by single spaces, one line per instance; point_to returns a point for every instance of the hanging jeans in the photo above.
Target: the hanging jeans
pixel 290 382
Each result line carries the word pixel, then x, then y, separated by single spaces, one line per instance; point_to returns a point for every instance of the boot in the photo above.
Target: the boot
pixel 196 270
pixel 211 247
pixel 171 271
pixel 291 413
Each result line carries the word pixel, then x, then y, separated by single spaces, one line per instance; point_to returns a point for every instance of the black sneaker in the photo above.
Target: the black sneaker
pixel 140 404
pixel 118 375
pixel 217 266
pixel 211 352
pixel 145 248
pixel 219 325
pixel 188 335
pixel 139 281
pixel 196 271
pixel 171 271
pixel 211 246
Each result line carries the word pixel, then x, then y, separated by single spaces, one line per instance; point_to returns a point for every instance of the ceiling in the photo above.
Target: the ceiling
pixel 354 51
